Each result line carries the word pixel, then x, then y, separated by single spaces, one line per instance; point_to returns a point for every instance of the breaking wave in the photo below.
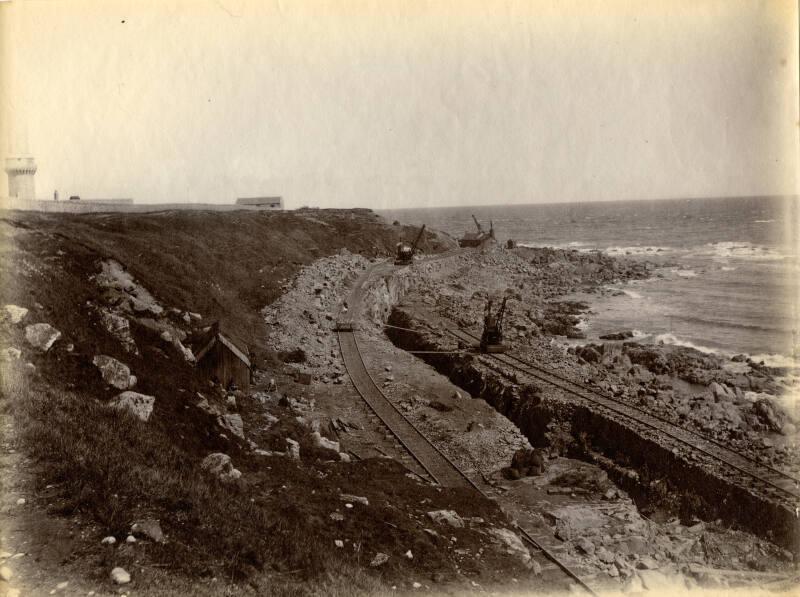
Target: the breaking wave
pixel 649 250
pixel 675 341
pixel 632 293
pixel 741 250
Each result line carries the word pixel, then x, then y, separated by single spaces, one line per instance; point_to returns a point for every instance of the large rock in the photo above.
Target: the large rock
pixel 232 423
pixel 292 449
pixel 219 465
pixel 150 528
pixel 119 328
pixel 13 313
pixel 324 442
pixel 446 517
pixel 765 410
pixel 120 576
pixel 528 462
pixel 513 544
pixel 41 335
pixel 114 373
pixel 139 405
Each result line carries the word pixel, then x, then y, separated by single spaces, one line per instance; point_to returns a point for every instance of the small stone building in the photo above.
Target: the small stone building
pixel 224 360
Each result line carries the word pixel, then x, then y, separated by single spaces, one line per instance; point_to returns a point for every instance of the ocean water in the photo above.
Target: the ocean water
pixel 728 267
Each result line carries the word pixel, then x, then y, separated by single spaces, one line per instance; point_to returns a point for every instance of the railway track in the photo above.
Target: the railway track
pixel 438 466
pixel 430 458
pixel 757 474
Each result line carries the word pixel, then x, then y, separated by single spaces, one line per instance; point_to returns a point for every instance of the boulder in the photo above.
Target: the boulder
pixel 528 462
pixel 617 335
pixel 41 335
pixel 379 560
pixel 119 328
pixel 721 392
pixel 219 465
pixel 446 517
pixel 120 576
pixel 640 374
pixel 589 354
pixel 139 405
pixel 232 423
pixel 765 410
pixel 324 442
pixel 513 544
pixel 114 373
pixel 292 449
pixel 13 313
pixel 150 528
pixel 347 497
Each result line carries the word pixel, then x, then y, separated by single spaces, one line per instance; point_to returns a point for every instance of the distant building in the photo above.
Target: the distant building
pixel 20 172
pixel 275 203
pixel 223 361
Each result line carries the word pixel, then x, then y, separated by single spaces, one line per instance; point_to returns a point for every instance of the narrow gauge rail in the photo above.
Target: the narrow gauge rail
pixel 769 477
pixel 440 468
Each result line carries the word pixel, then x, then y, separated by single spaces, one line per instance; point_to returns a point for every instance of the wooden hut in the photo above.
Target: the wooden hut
pixel 223 361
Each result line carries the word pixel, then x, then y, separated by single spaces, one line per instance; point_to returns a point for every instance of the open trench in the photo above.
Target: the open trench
pixel 653 472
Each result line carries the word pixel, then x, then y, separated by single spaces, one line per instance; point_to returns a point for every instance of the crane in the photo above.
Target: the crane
pixel 492 336
pixel 405 252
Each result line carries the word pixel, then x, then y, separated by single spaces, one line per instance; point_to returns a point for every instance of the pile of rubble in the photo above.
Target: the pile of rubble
pixel 302 320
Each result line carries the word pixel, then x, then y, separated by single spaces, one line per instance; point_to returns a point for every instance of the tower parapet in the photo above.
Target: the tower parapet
pixel 20 172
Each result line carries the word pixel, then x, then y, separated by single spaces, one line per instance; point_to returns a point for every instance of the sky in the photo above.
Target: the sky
pixel 392 104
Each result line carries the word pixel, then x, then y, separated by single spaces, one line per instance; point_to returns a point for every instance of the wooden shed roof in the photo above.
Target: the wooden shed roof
pixel 215 335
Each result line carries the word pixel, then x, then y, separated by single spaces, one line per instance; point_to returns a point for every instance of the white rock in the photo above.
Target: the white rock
pixel 139 405
pixel 338 543
pixel 6 573
pixel 220 465
pixel 14 313
pixel 409 555
pixel 446 517
pixel 130 539
pixel 109 540
pixel 120 576
pixel 62 585
pixel 114 373
pixel 346 497
pixel 344 457
pixel 324 442
pixel 21 502
pixel 150 528
pixel 379 560
pixel 416 585
pixel 232 423
pixel 41 335
pixel 120 328
pixel 187 353
pixel 513 543
pixel 292 449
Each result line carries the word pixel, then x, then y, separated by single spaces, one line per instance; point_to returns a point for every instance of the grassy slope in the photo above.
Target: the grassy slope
pixel 115 469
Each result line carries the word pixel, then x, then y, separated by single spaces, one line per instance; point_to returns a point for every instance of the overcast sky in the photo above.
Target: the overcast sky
pixel 403 104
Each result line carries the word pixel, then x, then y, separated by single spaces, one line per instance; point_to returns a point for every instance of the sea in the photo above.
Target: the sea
pixel 726 269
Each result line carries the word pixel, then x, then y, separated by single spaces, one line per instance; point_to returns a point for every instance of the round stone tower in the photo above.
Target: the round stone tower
pixel 20 172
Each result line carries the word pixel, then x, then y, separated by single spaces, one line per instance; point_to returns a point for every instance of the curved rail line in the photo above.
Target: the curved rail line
pixel 440 468
pixel 765 474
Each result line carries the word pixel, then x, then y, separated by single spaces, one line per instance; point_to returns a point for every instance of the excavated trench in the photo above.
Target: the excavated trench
pixel 656 475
